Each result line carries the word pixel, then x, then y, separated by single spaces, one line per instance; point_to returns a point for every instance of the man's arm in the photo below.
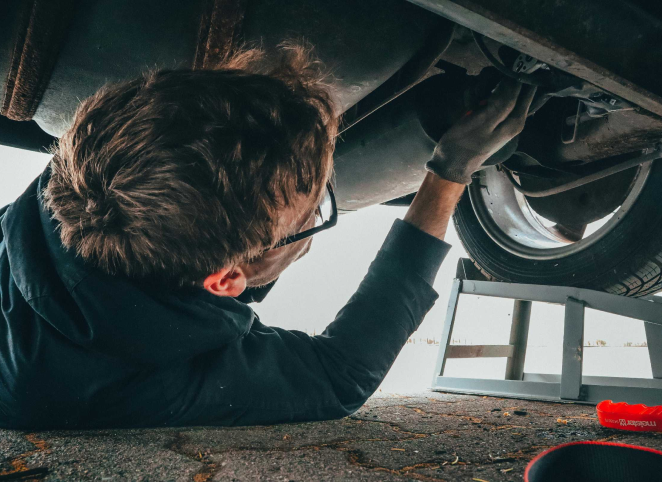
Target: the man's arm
pixel 434 204
pixel 462 151
pixel 273 375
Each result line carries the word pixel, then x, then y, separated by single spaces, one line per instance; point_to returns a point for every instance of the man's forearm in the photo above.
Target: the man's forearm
pixel 433 205
pixel 463 150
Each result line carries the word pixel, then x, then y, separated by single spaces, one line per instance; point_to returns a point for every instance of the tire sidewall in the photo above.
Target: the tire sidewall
pixel 627 246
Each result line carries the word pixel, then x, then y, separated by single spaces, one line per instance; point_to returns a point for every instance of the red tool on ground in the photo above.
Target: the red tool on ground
pixel 623 416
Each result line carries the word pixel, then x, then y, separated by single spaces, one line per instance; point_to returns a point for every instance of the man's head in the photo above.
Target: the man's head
pixel 180 176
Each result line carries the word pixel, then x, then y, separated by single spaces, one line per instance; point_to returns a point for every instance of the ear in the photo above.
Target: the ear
pixel 226 282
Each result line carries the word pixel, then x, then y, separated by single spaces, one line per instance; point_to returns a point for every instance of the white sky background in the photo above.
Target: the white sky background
pixel 311 292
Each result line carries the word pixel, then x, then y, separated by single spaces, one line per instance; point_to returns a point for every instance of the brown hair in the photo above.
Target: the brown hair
pixel 180 173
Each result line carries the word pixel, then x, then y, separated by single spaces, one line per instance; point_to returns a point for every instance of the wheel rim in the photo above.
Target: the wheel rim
pixel 507 218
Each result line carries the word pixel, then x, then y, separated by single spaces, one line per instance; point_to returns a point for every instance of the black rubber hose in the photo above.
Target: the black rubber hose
pixel 523 78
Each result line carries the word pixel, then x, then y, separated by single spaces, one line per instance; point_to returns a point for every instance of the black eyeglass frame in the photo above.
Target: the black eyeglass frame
pixel 309 232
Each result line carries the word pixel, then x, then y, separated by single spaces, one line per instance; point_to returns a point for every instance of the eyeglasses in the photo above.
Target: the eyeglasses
pixel 326 216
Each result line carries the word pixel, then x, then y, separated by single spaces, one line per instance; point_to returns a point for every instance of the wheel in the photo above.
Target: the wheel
pixel 620 253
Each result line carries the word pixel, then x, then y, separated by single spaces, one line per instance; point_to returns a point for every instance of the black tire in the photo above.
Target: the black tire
pixel 626 261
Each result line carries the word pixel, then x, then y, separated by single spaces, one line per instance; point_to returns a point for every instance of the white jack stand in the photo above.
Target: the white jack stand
pixel 570 385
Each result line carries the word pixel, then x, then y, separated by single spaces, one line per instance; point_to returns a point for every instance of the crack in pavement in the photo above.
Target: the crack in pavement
pixel 208 469
pixel 472 419
pixel 354 456
pixel 396 427
pixel 19 465
pixel 524 453
pixel 186 446
pixel 358 459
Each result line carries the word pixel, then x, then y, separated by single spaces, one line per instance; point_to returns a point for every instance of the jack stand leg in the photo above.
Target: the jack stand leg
pixel 573 350
pixel 519 335
pixel 654 342
pixel 448 330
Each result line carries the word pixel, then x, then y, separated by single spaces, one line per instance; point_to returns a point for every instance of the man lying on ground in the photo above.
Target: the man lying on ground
pixel 125 267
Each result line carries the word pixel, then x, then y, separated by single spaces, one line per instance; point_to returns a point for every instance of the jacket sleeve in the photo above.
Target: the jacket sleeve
pixel 274 375
pixel 3 210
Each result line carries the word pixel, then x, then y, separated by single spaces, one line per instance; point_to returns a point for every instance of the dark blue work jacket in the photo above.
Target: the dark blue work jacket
pixel 79 348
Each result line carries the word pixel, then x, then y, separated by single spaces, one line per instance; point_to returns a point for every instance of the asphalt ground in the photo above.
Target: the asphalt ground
pixel 429 437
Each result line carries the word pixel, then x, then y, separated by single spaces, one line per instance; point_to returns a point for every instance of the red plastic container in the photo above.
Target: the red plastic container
pixel 623 416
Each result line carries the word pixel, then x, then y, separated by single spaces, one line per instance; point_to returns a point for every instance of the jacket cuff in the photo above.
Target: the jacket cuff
pixel 414 248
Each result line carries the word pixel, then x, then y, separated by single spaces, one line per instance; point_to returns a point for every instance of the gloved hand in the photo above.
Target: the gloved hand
pixel 464 148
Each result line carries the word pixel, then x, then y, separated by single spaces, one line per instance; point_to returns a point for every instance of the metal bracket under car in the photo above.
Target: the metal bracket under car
pixel 614 45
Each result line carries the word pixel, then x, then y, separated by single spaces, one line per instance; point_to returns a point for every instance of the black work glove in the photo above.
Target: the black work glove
pixel 465 147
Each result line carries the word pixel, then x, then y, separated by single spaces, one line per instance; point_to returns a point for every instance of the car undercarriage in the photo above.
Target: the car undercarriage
pixel 574 200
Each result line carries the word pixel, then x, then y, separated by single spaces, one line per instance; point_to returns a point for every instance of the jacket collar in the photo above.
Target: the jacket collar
pixel 111 314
